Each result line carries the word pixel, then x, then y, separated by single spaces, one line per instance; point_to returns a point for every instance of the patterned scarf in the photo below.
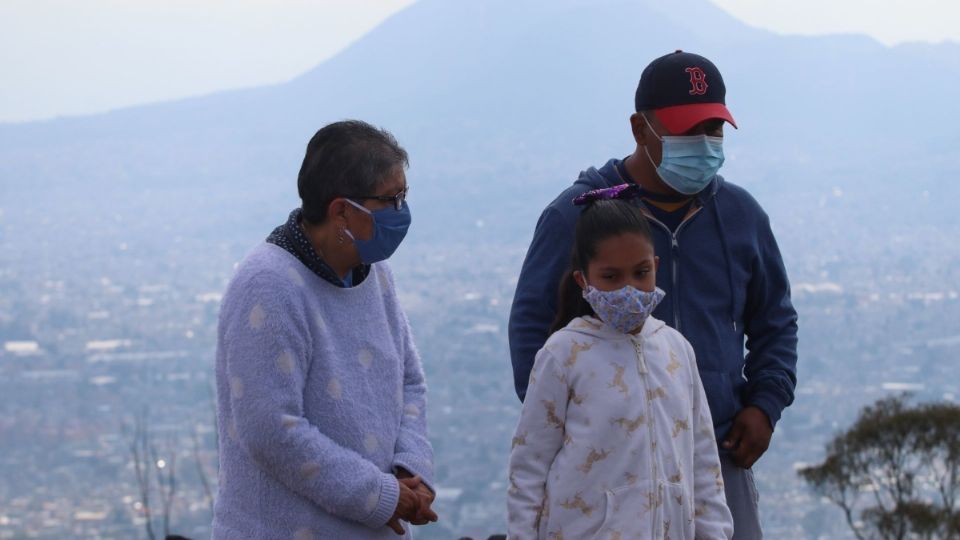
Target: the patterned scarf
pixel 290 236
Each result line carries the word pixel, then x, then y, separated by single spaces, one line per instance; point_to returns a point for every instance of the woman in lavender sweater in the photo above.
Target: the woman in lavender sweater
pixel 321 396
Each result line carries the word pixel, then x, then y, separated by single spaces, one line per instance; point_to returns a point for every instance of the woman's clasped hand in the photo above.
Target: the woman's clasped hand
pixel 414 503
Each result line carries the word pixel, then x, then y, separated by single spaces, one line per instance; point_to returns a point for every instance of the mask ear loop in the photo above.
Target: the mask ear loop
pixel 650 127
pixel 358 207
pixel 586 288
pixel 659 138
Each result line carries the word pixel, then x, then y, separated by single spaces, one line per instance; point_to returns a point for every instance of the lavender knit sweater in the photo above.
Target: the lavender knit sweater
pixel 320 398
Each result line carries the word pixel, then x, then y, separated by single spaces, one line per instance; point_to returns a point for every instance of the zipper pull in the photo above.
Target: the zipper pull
pixel 641 361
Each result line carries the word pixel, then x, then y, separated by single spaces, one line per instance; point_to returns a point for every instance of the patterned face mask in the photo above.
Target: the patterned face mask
pixel 623 309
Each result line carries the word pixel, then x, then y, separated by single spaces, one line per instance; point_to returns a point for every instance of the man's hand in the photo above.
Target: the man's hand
pixel 749 437
pixel 408 505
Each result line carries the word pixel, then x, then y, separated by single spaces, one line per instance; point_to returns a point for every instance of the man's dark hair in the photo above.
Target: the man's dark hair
pixel 345 159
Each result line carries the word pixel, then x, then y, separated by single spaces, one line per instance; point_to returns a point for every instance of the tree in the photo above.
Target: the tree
pixel 895 473
pixel 202 471
pixel 139 451
pixel 167 482
pixel 146 462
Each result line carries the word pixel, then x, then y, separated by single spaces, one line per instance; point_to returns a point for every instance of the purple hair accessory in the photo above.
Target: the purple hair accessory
pixel 623 191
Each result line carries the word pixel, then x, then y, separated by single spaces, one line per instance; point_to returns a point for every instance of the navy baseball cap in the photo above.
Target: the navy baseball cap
pixel 682 89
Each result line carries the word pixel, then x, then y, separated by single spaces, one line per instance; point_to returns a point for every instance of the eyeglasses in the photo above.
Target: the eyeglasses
pixel 397 200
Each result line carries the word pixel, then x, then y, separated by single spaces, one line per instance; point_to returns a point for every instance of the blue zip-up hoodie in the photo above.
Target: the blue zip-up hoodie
pixel 725 282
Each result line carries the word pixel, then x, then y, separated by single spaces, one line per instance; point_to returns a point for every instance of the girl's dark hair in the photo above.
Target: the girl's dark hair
pixel 600 220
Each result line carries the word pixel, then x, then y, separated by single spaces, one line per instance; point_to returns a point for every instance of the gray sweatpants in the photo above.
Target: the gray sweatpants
pixel 742 498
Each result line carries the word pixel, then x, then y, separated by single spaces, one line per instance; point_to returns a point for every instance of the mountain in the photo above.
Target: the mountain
pixel 503 89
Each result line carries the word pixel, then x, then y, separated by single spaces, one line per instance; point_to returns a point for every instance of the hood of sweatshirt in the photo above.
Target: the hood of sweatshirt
pixel 594 327
pixel 608 176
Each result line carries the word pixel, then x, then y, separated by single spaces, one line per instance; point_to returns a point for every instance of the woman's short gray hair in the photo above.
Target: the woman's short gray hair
pixel 345 159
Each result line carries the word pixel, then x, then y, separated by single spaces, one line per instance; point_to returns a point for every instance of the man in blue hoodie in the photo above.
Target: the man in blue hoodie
pixel 719 264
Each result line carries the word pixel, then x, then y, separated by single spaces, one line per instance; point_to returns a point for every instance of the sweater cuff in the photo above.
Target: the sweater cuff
pixel 769 403
pixel 386 504
pixel 416 466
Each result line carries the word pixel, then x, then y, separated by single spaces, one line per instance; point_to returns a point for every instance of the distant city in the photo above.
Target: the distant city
pixel 122 333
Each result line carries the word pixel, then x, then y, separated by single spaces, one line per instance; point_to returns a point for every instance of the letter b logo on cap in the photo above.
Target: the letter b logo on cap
pixel 698 81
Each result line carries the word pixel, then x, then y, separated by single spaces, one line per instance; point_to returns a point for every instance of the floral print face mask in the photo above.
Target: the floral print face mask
pixel 623 309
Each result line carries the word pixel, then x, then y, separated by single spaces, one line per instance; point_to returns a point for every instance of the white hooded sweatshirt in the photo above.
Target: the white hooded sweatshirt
pixel 615 441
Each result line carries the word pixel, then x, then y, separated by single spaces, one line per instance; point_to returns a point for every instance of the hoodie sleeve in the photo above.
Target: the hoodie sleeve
pixel 535 299
pixel 266 362
pixel 537 441
pixel 712 518
pixel 771 330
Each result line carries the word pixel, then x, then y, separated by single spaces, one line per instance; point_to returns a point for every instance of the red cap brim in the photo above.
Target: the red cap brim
pixel 680 118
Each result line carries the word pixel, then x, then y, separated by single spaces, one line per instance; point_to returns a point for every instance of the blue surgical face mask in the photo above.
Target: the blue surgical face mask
pixel 688 162
pixel 389 227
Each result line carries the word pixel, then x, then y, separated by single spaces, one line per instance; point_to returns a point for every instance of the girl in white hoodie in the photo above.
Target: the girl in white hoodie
pixel 615 439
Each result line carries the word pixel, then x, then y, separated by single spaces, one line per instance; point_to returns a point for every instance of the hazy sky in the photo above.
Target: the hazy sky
pixel 63 57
